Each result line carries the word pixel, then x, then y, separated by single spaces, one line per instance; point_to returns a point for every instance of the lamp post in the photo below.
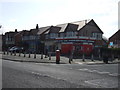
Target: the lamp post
pixel 35 46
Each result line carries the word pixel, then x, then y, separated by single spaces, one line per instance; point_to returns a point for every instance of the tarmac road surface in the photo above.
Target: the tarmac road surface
pixel 40 75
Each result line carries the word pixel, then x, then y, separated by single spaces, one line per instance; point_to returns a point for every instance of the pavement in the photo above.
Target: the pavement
pixel 63 59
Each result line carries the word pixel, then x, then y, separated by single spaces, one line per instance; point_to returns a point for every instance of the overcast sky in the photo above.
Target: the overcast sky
pixel 25 14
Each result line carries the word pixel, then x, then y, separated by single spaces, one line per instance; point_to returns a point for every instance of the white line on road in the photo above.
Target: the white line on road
pixel 79 62
pixel 88 82
pixel 99 72
pixel 114 74
pixel 44 75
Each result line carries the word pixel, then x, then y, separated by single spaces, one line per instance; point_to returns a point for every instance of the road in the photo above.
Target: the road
pixel 40 75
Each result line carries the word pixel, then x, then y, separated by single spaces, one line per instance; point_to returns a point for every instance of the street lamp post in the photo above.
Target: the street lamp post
pixel 35 47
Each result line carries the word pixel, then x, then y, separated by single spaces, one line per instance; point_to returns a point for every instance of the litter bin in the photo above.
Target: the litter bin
pixel 57 56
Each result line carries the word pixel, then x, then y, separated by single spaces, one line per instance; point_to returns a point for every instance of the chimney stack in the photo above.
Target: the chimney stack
pixel 37 27
pixel 15 30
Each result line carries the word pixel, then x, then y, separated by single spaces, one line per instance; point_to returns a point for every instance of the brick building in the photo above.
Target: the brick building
pixel 82 36
pixel 10 39
pixel 115 40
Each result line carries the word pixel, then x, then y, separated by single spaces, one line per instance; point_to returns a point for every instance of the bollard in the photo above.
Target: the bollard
pixel 15 53
pixel 105 59
pixel 99 57
pixel 46 53
pixel 112 57
pixel 118 57
pixel 83 58
pixel 24 54
pixel 70 58
pixel 34 55
pixel 45 56
pixel 92 57
pixel 4 52
pixel 57 56
pixel 49 56
pixel 7 52
pixel 11 53
pixel 29 55
pixel 41 55
pixel 19 54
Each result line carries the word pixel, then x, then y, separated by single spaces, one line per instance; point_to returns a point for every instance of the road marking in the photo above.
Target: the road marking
pixel 91 83
pixel 114 74
pixel 84 69
pixel 78 62
pixel 103 83
pixel 99 72
pixel 103 72
pixel 44 75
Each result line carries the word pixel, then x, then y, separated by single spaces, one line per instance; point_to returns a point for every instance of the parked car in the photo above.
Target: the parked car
pixel 16 49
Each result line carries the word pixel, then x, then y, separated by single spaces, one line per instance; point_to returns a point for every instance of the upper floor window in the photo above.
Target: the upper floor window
pixel 53 35
pixel 25 38
pixel 32 37
pixel 71 34
pixel 46 36
pixel 61 34
pixel 97 35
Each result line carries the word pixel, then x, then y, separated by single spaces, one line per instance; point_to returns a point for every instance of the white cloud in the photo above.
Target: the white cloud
pixel 12 20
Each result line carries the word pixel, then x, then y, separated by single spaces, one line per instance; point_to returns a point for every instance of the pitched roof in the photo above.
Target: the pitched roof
pixel 67 27
pixel 116 34
pixel 81 23
pixel 53 29
pixel 62 26
pixel 25 32
pixel 11 33
pixel 21 32
pixel 43 29
pixel 33 31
